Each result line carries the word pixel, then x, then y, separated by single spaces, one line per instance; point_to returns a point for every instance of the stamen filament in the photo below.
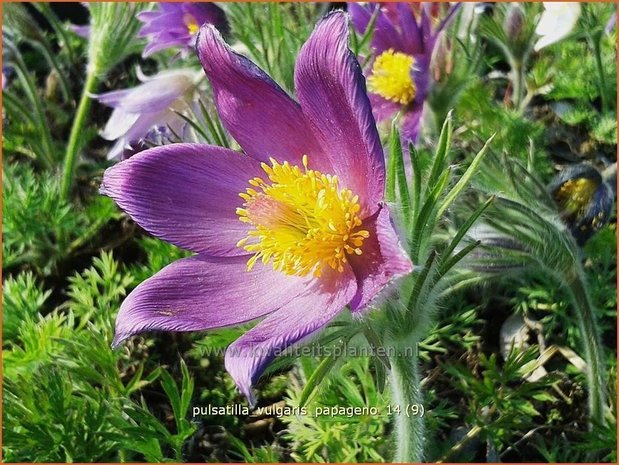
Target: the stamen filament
pixel 302 220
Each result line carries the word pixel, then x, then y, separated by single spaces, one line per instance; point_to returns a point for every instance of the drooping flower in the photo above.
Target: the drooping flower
pixel 293 230
pixel 557 21
pixel 177 24
pixel 403 43
pixel 151 105
pixel 584 198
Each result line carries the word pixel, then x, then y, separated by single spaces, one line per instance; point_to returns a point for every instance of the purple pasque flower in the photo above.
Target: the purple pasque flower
pixel 153 104
pixel 402 45
pixel 292 231
pixel 177 24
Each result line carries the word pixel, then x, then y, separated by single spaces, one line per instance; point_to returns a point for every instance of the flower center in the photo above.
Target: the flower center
pixel 192 25
pixel 576 194
pixel 391 77
pixel 302 220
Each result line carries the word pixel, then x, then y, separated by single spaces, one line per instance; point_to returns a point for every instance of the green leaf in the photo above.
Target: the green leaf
pixel 416 195
pixel 465 228
pixel 464 179
pixel 444 143
pixel 319 374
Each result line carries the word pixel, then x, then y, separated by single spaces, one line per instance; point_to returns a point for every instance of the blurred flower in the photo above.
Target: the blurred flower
pixel 514 22
pixel 153 104
pixel 584 199
pixel 177 24
pixel 557 21
pixel 403 43
pixel 274 238
pixel 611 24
pixel 7 57
pixel 82 30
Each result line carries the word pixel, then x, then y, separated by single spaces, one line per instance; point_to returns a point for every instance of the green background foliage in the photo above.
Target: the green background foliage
pixel 68 263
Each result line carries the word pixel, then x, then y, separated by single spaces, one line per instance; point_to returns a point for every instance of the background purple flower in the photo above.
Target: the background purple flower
pixel 611 24
pixel 177 24
pixel 7 72
pixel 81 30
pixel 403 42
pixel 151 105
pixel 215 202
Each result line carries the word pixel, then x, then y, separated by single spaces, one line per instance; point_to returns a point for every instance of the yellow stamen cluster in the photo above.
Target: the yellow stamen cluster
pixel 192 25
pixel 302 220
pixel 576 194
pixel 391 77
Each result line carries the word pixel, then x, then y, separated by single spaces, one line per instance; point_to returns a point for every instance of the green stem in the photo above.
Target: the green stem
pixel 589 332
pixel 406 392
pixel 77 131
pixel 597 53
pixel 518 83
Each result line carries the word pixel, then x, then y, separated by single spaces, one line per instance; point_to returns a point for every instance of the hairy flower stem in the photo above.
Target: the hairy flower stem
pixel 77 132
pixel 518 79
pixel 585 314
pixel 406 392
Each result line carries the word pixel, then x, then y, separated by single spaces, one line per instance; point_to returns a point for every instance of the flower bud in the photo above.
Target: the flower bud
pixel 514 22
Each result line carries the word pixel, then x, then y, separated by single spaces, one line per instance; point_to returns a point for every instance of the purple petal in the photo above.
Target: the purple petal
pixel 81 30
pixel 208 12
pixel 426 26
pixel 386 36
pixel 611 24
pixel 162 43
pixel 140 127
pixel 170 6
pixel 395 27
pixel 186 194
pixel 118 149
pixel 200 292
pixel 118 124
pixel 262 118
pixel 157 93
pixel 307 313
pixel 333 96
pixel 147 16
pixel 411 35
pixel 163 22
pixel 360 16
pixel 410 127
pixel 382 108
pixel 383 259
pixel 420 74
pixel 114 98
